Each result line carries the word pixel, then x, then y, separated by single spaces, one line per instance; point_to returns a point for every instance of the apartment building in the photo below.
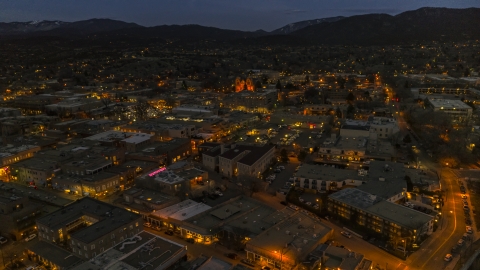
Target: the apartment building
pixel 384 218
pixel 456 109
pixel 17 215
pixel 88 227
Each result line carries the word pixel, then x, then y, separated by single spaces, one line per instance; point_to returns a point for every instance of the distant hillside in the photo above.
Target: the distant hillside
pixel 63 28
pixel 292 27
pixel 425 24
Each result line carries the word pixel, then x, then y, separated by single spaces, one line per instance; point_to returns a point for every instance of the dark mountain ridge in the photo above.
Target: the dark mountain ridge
pixel 425 24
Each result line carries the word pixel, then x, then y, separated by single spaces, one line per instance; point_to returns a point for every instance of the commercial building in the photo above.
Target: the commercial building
pixel 75 104
pixel 317 109
pixel 53 256
pixel 321 178
pixel 287 243
pixel 162 131
pixel 144 202
pixel 375 127
pixel 88 227
pixel 194 109
pixel 137 252
pixel 385 218
pixel 245 160
pixel 35 171
pixel 356 149
pixel 174 183
pixel 97 185
pixel 128 140
pixel 260 102
pixel 10 154
pixel 456 109
pixel 235 220
pixel 330 257
pixel 344 148
pixel 166 152
pixel 17 215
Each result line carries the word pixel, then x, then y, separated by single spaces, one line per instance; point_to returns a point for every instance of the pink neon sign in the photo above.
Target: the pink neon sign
pixel 157 172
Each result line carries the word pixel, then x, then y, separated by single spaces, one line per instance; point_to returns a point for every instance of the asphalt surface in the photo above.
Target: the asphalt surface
pixel 452 225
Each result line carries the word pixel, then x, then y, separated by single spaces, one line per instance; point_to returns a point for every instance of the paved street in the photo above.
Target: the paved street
pixel 451 227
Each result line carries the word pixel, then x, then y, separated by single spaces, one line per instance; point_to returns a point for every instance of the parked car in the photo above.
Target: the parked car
pixel 455 249
pixel 30 237
pixel 3 240
pixel 294 207
pixel 284 202
pixel 465 207
pixel 147 224
pixel 460 242
pixel 346 234
pixel 266 268
pixel 190 240
pixel 448 257
pixel 232 256
pixel 248 262
pixel 169 232
pixel 469 229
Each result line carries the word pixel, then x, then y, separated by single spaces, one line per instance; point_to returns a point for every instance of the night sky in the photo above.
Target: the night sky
pixel 230 14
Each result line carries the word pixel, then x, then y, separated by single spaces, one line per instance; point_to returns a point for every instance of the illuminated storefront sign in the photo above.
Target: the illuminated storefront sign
pixel 157 171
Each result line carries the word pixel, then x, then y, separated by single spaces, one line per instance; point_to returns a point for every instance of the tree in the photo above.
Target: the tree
pixel 350 111
pixel 258 85
pixel 409 183
pixel 302 155
pixel 350 96
pixel 407 139
pixel 366 95
pixel 289 86
pixel 106 102
pixel 310 93
pixel 279 85
pixel 341 82
pixel 339 113
pixel 284 155
pixel 141 108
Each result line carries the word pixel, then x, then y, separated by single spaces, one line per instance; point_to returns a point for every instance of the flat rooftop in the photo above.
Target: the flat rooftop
pixel 399 214
pixel 141 251
pixel 298 232
pixel 337 258
pixel 355 197
pixel 214 263
pixel 443 104
pixel 55 254
pixel 385 179
pixel 108 218
pixel 238 206
pixel 328 173
pixel 111 135
pixel 182 210
pixel 351 143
